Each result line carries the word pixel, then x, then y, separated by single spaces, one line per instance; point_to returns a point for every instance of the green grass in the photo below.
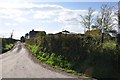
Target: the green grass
pixel 7 47
pixel 7 44
pixel 56 61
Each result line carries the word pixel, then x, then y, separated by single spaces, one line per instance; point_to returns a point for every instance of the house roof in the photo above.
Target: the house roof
pixel 112 34
pixel 35 31
pixel 66 31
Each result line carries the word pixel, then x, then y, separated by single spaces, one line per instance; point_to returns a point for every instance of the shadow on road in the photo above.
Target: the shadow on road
pixel 19 47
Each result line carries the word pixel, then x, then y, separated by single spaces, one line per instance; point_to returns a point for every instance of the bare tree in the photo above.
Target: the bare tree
pixel 87 20
pixel 98 21
pixel 105 17
pixel 116 13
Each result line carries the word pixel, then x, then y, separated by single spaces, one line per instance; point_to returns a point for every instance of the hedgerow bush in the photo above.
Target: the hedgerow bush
pixel 7 44
pixel 79 53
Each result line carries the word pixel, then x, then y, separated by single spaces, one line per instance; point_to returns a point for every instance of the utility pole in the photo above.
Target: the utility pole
pixel 12 34
pixel 102 38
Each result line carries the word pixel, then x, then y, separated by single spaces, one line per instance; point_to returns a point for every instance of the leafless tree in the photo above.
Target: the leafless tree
pixel 87 20
pixel 105 17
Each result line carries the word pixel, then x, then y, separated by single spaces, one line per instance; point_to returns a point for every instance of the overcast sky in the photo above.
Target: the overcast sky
pixel 51 17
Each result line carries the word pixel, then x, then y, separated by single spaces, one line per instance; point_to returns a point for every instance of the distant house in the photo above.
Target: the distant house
pixel 35 34
pixel 64 32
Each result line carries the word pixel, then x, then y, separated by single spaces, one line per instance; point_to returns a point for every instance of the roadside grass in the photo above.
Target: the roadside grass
pixel 55 61
pixel 7 44
pixel 7 47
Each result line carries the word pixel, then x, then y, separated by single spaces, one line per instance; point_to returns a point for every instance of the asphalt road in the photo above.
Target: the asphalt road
pixel 18 63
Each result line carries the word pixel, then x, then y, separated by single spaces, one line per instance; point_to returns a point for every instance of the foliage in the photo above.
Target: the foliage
pixel 8 47
pixel 7 44
pixel 96 34
pixel 22 39
pixel 118 39
pixel 87 20
pixel 79 53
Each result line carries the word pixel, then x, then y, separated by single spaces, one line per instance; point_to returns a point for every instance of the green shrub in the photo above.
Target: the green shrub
pixel 82 54
pixel 7 44
pixel 111 45
pixel 51 59
pixel 35 49
pixel 70 71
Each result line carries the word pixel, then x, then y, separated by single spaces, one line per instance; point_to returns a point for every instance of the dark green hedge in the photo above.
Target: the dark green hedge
pixel 86 54
pixel 7 44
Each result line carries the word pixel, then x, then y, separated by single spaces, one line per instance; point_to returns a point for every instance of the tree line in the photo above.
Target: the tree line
pixel 105 18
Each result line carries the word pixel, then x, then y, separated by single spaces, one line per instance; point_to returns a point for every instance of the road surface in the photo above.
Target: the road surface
pixel 18 63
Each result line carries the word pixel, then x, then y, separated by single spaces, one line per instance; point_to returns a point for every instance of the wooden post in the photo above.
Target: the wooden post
pixel 102 38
